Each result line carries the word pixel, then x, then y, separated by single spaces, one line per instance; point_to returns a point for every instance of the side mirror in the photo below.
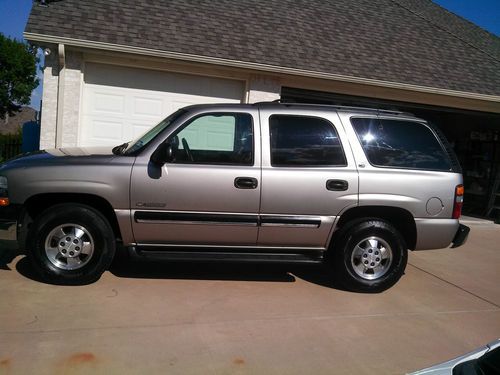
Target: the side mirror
pixel 163 154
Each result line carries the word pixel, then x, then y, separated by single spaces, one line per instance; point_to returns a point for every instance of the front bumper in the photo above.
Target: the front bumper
pixel 461 236
pixel 9 217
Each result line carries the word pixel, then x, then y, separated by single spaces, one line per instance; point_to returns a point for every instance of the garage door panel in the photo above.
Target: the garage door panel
pixel 121 103
pixel 148 106
pixel 108 102
pixel 110 130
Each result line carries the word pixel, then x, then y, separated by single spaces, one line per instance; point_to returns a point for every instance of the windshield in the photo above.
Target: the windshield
pixel 143 140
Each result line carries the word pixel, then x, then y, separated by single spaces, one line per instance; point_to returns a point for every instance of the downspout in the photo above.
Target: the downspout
pixel 60 95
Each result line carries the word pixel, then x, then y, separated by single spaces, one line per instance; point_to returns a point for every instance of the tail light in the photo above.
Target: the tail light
pixel 458 202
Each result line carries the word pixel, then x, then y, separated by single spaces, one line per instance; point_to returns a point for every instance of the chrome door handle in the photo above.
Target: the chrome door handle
pixel 245 183
pixel 337 185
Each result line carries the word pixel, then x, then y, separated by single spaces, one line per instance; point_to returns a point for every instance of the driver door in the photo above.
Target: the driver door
pixel 210 193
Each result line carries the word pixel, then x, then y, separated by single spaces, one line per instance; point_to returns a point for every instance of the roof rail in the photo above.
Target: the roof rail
pixel 276 101
pixel 335 106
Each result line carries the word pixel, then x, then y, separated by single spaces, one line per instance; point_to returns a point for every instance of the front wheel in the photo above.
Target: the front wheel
pixel 71 244
pixel 369 256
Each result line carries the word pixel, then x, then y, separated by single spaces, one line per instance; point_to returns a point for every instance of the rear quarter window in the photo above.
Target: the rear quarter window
pixel 400 144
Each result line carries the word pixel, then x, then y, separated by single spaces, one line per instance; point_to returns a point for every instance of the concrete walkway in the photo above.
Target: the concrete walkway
pixel 226 319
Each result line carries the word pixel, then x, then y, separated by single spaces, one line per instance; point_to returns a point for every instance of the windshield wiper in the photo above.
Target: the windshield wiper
pixel 118 150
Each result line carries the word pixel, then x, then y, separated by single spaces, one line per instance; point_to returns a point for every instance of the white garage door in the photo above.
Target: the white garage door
pixel 121 103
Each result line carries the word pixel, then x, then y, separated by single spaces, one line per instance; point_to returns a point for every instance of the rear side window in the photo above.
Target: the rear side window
pixel 304 141
pixel 400 144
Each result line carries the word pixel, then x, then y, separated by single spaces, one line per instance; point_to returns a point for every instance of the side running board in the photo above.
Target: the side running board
pixel 236 255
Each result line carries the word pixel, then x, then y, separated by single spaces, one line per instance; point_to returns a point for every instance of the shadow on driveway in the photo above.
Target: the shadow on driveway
pixel 317 274
pixel 7 255
pixel 128 268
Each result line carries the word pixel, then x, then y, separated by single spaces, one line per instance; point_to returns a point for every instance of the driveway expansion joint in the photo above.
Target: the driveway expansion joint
pixel 456 286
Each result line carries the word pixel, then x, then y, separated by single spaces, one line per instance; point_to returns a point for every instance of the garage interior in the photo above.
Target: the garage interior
pixel 475 137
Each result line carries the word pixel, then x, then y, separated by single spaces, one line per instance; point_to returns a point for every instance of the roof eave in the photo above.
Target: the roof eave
pixel 44 38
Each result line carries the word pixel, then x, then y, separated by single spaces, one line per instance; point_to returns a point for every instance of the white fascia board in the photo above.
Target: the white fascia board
pixel 33 37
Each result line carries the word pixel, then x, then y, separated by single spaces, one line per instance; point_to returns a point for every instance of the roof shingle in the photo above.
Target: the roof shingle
pixel 406 41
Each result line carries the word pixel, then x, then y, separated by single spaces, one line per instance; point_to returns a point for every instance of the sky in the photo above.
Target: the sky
pixel 13 17
pixel 485 13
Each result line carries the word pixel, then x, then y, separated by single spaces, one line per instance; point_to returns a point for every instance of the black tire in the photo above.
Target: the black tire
pixel 370 235
pixel 98 233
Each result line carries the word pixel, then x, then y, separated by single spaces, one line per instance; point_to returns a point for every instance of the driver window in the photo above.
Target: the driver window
pixel 225 138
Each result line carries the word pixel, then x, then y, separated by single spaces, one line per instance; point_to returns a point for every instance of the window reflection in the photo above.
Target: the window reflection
pixel 404 144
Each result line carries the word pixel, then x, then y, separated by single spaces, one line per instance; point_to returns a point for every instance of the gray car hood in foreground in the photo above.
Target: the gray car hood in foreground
pixel 446 368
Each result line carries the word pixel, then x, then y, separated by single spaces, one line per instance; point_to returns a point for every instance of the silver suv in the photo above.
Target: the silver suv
pixel 268 182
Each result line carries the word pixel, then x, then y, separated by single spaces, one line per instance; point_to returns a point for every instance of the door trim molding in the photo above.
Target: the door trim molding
pixel 290 221
pixel 204 218
pixel 167 217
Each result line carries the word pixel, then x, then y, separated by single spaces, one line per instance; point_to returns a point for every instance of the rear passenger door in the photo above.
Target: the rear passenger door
pixel 308 177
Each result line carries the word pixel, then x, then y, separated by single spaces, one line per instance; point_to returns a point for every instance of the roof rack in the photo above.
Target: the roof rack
pixel 335 106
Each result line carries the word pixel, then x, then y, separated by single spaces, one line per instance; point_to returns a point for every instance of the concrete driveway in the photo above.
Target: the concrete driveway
pixel 226 319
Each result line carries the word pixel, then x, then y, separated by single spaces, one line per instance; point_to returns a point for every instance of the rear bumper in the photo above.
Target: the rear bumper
pixel 435 233
pixel 461 236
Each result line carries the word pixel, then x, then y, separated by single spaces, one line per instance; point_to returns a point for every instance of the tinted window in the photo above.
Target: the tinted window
pixel 215 139
pixel 304 141
pixel 400 144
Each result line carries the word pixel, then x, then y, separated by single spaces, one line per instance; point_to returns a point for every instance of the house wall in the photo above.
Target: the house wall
pixel 69 80
pixel 72 98
pixel 263 89
pixel 49 102
pixel 63 131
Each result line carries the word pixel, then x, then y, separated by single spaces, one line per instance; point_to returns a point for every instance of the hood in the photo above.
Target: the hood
pixel 70 155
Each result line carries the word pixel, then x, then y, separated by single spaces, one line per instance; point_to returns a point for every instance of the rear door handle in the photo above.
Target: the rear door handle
pixel 245 183
pixel 337 185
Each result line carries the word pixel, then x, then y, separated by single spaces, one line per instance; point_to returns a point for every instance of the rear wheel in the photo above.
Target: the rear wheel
pixel 71 244
pixel 369 256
